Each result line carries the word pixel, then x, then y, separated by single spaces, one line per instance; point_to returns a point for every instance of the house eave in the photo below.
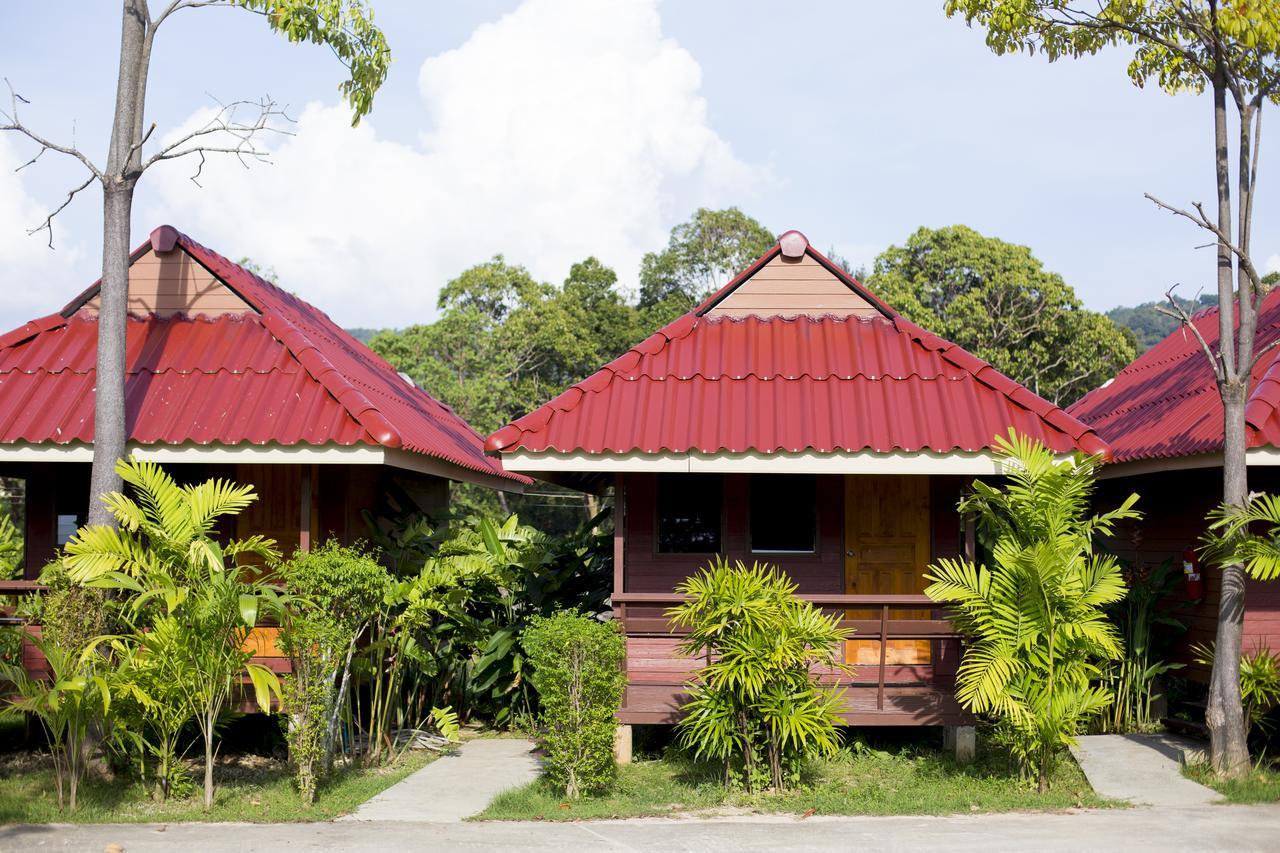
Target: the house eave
pixel 1259 456
pixel 262 454
pixel 541 463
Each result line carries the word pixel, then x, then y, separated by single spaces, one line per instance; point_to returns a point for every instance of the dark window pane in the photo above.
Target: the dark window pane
pixel 784 512
pixel 689 513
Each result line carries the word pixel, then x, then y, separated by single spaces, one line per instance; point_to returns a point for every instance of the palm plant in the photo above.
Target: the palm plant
pixel 1259 682
pixel 68 703
pixel 1147 625
pixel 1036 615
pixel 757 695
pixel 191 613
pixel 1249 535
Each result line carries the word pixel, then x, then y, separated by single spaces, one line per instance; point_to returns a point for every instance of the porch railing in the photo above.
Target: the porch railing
pixel 882 627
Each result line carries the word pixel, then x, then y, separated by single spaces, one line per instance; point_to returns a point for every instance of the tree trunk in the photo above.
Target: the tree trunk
pixel 119 179
pixel 1225 714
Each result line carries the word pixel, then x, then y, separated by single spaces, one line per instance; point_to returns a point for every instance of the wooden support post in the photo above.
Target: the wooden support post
pixel 622 744
pixel 619 531
pixel 963 740
pixel 884 643
pixel 304 514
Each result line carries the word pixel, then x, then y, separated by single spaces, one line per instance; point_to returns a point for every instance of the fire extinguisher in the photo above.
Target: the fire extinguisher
pixel 1193 578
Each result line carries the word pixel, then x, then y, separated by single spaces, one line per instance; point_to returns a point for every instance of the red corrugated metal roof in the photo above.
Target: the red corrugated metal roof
pixel 808 383
pixel 1166 402
pixel 286 374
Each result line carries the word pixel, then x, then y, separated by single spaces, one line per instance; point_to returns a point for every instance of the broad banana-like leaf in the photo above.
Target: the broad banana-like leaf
pixel 265 684
pixel 249 609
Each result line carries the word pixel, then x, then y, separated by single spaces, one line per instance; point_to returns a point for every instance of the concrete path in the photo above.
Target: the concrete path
pixel 1199 828
pixel 1143 769
pixel 456 785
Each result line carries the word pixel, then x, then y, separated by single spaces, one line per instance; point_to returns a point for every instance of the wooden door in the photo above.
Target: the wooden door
pixel 887 548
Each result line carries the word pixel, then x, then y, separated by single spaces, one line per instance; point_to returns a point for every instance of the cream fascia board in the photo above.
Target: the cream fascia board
pixel 206 453
pixel 263 454
pixel 440 468
pixel 863 462
pixel 1259 456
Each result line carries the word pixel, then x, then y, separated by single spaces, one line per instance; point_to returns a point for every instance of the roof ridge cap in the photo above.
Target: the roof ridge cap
pixel 31 329
pixel 351 398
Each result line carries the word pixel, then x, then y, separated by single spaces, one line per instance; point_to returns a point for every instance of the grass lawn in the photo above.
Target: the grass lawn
pixel 1260 786
pixel 904 780
pixel 249 788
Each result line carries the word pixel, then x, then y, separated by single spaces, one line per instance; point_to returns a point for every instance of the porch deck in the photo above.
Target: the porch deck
pixel 883 693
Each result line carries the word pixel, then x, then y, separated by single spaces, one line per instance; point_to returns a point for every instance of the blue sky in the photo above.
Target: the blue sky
pixel 553 129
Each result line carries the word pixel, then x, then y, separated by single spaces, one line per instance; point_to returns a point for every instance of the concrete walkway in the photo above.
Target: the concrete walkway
pixel 1143 769
pixel 456 785
pixel 1196 830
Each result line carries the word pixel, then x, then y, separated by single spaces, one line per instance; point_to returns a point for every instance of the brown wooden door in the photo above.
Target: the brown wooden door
pixel 887 545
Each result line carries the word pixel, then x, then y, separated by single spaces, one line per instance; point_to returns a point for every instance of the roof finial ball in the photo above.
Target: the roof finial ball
pixel 793 245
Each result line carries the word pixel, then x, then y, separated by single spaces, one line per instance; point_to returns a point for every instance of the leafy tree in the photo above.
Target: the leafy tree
pixel 344 26
pixel 1036 616
pixel 190 612
pixel 503 345
pixel 1232 49
pixel 757 697
pixel 702 254
pixel 996 300
pixel 577 670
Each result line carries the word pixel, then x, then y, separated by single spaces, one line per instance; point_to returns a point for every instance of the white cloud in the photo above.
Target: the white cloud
pixel 566 128
pixel 30 271
pixel 1273 263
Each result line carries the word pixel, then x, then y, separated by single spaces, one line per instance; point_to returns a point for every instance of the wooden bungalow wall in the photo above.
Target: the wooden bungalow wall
pixel 645 570
pixel 1174 506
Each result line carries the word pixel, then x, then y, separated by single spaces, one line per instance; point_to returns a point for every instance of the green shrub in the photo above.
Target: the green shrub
pixel 757 704
pixel 334 591
pixel 577 671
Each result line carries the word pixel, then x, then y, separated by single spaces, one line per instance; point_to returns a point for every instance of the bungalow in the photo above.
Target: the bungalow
pixel 229 376
pixel 1162 417
pixel 794 418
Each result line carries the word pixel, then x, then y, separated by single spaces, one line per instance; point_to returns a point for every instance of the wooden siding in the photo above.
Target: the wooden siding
pixel 787 287
pixel 645 570
pixel 174 283
pixel 1174 506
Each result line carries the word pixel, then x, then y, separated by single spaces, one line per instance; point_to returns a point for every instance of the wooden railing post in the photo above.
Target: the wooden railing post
pixel 884 644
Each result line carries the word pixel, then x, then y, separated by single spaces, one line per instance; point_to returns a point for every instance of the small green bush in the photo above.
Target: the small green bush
pixel 334 590
pixel 577 670
pixel 757 704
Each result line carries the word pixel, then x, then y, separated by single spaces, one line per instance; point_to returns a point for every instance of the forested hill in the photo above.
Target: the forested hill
pixel 1149 325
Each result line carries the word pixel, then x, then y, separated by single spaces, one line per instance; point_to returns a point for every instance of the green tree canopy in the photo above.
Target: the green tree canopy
pixel 701 256
pixel 996 300
pixel 505 343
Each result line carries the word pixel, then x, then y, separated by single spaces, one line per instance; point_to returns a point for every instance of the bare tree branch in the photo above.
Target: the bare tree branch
pixel 1224 239
pixel 14 123
pixel 178 5
pixel 226 121
pixel 47 225
pixel 1257 359
pixel 1180 313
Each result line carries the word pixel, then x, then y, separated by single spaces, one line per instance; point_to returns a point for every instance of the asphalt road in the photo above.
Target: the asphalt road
pixel 1201 829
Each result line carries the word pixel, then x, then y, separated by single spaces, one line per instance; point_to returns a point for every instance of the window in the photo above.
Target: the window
pixel 68 524
pixel 689 513
pixel 784 513
pixel 13 527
